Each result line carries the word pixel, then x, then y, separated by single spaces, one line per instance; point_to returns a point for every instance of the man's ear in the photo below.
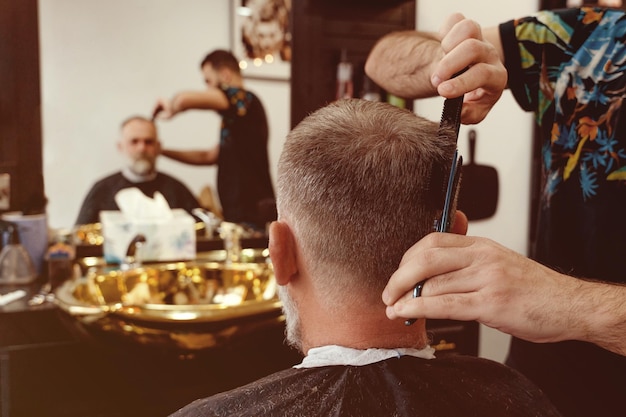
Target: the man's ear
pixel 282 246
pixel 459 225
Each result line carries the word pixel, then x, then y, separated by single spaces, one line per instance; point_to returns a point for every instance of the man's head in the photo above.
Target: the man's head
pixel 220 67
pixel 355 190
pixel 139 144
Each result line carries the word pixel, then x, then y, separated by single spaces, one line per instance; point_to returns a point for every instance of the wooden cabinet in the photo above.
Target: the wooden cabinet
pixel 20 107
pixel 322 29
pixel 51 367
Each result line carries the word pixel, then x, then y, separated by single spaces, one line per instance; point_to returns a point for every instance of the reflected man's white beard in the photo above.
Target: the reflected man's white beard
pixel 292 319
pixel 142 166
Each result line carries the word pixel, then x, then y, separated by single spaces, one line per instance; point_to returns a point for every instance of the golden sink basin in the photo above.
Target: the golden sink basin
pixel 182 306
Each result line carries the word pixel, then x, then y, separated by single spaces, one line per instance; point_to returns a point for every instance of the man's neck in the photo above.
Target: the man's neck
pixel 362 331
pixel 137 178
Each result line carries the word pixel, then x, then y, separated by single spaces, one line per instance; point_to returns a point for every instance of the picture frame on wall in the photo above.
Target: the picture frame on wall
pixel 261 38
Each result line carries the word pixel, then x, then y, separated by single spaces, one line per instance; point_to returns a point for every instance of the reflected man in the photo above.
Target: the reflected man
pixel 139 145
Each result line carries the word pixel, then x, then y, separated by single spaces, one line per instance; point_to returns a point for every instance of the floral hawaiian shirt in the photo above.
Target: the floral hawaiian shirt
pixel 567 66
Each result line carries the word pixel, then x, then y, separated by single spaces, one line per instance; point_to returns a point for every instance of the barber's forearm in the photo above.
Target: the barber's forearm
pixel 602 315
pixel 403 62
pixel 190 157
pixel 179 103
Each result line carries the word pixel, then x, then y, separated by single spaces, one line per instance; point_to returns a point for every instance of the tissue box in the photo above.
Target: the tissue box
pixel 170 239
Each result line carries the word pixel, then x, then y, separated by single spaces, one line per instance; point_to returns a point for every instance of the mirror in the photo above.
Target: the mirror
pixel 104 61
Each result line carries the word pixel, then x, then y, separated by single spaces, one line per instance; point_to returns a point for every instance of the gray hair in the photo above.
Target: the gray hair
pixel 134 118
pixel 355 181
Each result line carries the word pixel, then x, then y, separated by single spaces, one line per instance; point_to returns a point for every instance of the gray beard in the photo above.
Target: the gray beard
pixel 141 167
pixel 292 319
pixel 140 170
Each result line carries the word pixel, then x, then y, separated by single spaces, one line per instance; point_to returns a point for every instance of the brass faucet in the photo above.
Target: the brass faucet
pixel 231 235
pixel 132 260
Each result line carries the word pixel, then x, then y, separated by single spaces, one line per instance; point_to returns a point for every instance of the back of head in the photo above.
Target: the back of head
pixel 220 59
pixel 354 183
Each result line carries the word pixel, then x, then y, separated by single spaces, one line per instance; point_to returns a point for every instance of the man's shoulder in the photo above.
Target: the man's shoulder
pixel 169 179
pixel 107 181
pixel 457 364
pixel 446 386
pixel 241 94
pixel 247 400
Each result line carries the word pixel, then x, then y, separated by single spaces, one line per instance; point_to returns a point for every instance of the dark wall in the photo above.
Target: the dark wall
pixel 321 29
pixel 20 106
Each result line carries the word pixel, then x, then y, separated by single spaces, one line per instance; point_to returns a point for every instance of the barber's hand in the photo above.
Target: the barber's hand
pixel 464 47
pixel 162 109
pixel 471 278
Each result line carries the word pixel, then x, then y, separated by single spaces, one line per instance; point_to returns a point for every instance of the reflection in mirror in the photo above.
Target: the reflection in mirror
pixel 104 61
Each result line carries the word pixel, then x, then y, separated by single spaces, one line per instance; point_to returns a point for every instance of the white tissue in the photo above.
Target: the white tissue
pixel 137 206
pixel 170 234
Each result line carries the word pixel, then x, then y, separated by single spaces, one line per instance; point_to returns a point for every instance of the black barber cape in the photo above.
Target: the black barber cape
pixel 406 386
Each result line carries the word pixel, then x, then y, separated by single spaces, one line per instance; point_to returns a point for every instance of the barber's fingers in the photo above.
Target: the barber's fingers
pixel 484 69
pixel 449 23
pixel 162 109
pixel 435 254
pixel 459 43
pixel 462 30
pixel 457 306
pixel 504 290
pixel 478 102
pixel 485 78
pixel 458 293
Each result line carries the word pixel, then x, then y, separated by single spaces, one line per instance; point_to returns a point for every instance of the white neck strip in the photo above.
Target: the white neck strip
pixel 136 178
pixel 333 355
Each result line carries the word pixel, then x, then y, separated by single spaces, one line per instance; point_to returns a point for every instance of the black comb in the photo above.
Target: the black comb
pixel 450 124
